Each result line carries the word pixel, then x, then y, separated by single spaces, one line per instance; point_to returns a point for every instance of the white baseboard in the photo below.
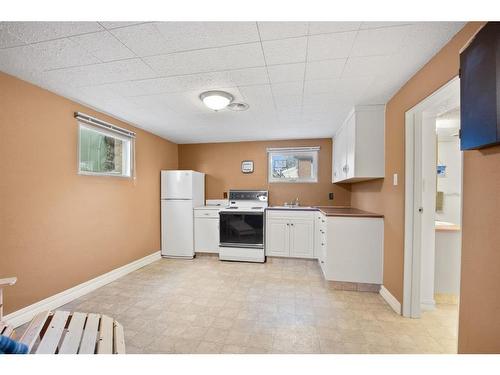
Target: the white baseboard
pixel 428 305
pixel 27 313
pixel 390 299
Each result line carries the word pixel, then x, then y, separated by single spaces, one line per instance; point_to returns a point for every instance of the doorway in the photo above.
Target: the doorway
pixel 433 202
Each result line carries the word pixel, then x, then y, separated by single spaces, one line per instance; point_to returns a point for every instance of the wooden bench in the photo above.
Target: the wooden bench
pixel 62 332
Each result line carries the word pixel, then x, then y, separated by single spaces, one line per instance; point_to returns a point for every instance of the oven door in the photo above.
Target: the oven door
pixel 241 229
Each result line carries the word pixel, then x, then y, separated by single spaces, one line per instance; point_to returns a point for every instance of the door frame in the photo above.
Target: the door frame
pixel 442 100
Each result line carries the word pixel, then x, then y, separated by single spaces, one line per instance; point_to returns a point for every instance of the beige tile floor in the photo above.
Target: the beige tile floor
pixel 282 306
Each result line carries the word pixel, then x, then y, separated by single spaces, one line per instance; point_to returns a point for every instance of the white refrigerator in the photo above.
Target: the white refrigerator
pixel 181 191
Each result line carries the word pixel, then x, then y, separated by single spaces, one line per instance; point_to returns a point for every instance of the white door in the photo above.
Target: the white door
pixel 206 235
pixel 176 185
pixel 177 228
pixel 350 146
pixel 277 238
pixel 302 239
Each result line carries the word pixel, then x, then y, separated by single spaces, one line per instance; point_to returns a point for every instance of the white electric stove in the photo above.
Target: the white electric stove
pixel 241 227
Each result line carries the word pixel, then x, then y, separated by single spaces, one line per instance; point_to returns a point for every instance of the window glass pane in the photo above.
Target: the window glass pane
pixel 293 166
pixel 103 154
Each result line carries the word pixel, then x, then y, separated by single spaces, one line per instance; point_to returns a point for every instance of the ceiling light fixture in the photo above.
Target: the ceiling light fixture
pixel 216 100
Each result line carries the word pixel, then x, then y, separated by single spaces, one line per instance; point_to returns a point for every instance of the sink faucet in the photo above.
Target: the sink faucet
pixel 293 203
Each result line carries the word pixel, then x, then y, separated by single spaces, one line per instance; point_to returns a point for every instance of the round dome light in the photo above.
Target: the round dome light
pixel 216 100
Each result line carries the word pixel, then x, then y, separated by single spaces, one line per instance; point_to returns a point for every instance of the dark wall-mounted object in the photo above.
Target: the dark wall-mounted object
pixel 480 89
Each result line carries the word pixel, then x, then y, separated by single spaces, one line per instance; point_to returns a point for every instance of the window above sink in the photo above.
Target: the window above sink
pixel 293 165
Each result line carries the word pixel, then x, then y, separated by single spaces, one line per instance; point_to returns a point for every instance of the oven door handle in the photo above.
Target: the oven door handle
pixel 241 213
pixel 242 245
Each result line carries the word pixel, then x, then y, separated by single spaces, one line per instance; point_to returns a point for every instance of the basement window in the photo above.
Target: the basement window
pixel 293 165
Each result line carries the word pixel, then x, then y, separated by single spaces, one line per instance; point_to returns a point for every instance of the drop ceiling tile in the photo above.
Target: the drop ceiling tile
pixel 290 101
pixel 382 41
pixel 330 46
pixel 33 32
pixel 167 37
pixel 285 51
pixel 61 53
pixel 321 86
pixel 429 37
pixel 377 25
pixel 286 72
pixel 53 54
pixel 258 96
pixel 212 59
pixel 8 39
pixel 97 74
pixel 325 69
pixel 288 88
pixel 192 82
pixel 103 45
pixel 244 77
pixel 183 36
pixel 332 27
pixel 116 24
pixel 281 30
pixel 367 66
pixel 143 39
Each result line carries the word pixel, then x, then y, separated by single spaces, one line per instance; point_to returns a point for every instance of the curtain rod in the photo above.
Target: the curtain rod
pixel 103 124
pixel 271 149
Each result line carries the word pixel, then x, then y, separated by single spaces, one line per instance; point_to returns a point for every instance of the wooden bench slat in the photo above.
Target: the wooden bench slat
pixel 89 339
pixel 51 338
pixel 73 337
pixel 105 344
pixel 31 334
pixel 8 331
pixel 119 338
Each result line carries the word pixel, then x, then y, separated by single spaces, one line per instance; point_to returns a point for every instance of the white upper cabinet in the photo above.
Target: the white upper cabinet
pixel 358 146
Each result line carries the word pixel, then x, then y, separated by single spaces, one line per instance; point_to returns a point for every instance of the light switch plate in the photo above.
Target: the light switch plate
pixel 395 179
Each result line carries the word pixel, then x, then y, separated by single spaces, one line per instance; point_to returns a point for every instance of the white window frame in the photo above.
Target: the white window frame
pixel 128 146
pixel 310 151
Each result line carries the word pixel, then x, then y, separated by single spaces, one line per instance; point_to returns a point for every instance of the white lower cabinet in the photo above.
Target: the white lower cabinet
pixel 290 233
pixel 302 238
pixel 278 237
pixel 320 237
pixel 206 230
pixel 354 251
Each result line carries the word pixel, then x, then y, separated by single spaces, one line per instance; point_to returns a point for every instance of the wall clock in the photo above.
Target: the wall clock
pixel 247 166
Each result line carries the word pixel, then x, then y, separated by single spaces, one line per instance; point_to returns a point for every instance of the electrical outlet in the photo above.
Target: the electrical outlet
pixel 330 196
pixel 224 195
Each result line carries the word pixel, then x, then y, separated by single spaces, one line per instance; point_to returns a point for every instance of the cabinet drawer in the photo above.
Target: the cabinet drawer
pixel 291 215
pixel 206 213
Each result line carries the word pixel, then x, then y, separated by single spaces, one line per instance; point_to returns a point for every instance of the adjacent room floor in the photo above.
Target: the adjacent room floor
pixel 282 306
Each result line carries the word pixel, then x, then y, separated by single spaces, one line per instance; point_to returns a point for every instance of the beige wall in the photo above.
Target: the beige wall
pixel 479 317
pixel 59 229
pixel 479 300
pixel 222 163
